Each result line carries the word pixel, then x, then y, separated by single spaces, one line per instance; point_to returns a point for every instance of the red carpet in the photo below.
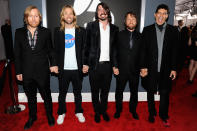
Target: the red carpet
pixel 183 115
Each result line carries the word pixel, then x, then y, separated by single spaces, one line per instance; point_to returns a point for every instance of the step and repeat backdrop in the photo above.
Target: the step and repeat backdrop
pixel 85 11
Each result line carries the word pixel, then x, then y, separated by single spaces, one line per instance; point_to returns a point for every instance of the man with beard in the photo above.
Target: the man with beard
pixel 100 41
pixel 69 41
pixel 159 53
pixel 127 64
pixel 33 52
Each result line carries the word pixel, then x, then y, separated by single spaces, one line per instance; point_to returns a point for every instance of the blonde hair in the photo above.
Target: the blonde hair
pixel 62 22
pixel 27 12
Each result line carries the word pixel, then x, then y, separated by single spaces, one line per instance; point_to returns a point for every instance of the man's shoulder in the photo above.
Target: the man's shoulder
pixel 21 29
pixel 92 24
pixel 149 27
pixel 172 27
pixel 44 29
pixel 81 28
pixel 114 26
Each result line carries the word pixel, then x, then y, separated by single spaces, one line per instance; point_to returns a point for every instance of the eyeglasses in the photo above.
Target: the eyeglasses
pixel 160 13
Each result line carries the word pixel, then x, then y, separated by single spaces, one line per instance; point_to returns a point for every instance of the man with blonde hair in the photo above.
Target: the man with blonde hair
pixel 33 51
pixel 69 41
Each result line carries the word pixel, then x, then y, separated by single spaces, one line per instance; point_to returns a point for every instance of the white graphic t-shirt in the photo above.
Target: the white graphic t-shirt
pixel 70 61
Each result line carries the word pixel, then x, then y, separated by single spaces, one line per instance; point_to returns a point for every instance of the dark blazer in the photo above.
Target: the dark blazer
pixel 149 57
pixel 59 40
pixel 33 63
pixel 128 58
pixel 8 42
pixel 93 43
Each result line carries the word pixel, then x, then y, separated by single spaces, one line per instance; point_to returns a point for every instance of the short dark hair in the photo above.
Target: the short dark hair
pixel 163 6
pixel 105 6
pixel 179 21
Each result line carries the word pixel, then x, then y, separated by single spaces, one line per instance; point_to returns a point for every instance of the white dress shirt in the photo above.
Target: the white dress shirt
pixel 104 41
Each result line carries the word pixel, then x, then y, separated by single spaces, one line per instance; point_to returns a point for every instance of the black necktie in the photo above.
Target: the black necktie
pixel 160 27
pixel 131 41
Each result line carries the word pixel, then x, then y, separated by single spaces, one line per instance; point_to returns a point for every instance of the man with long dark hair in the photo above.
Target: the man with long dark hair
pixel 100 41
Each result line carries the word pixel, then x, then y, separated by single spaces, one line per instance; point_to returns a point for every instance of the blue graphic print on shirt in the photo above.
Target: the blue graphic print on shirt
pixel 69 41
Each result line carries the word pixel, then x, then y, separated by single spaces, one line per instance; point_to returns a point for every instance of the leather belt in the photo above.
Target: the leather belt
pixel 104 62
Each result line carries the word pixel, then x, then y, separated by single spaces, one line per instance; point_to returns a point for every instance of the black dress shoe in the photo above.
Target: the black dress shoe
pixel 105 116
pixel 195 94
pixel 135 116
pixel 51 120
pixel 155 113
pixel 29 123
pixel 151 119
pixel 190 82
pixel 117 115
pixel 97 118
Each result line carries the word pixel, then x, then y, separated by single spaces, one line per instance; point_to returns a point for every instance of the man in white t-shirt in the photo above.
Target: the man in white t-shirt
pixel 101 36
pixel 69 41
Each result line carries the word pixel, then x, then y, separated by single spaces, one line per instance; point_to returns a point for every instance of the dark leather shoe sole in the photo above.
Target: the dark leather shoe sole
pixel 51 121
pixel 117 115
pixel 106 117
pixel 97 118
pixel 151 119
pixel 135 116
pixel 29 123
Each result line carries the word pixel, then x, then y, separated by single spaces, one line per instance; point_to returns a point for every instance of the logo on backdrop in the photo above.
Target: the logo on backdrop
pixel 69 41
pixel 80 6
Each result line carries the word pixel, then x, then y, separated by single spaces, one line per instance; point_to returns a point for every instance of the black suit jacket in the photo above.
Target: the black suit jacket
pixel 128 58
pixel 150 56
pixel 7 36
pixel 59 40
pixel 33 63
pixel 93 43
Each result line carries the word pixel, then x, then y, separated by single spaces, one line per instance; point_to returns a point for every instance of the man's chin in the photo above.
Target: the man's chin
pixel 102 19
pixel 33 25
pixel 130 28
pixel 69 23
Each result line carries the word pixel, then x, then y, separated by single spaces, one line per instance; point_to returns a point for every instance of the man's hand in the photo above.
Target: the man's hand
pixel 85 68
pixel 19 77
pixel 116 71
pixel 54 69
pixel 143 72
pixel 173 75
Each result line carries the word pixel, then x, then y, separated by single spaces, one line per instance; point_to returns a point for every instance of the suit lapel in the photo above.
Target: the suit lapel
pixel 97 29
pixel 38 38
pixel 62 40
pixel 165 36
pixel 26 38
pixel 76 40
pixel 154 35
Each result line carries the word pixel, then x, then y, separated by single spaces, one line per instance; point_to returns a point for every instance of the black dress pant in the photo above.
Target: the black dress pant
pixel 64 80
pixel 30 87
pixel 100 80
pixel 121 81
pixel 164 100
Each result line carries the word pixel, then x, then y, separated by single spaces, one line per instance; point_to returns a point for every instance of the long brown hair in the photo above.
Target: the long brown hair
pixel 62 23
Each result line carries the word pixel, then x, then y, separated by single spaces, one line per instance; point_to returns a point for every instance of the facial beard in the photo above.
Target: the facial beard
pixel 130 28
pixel 69 23
pixel 34 25
pixel 101 18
